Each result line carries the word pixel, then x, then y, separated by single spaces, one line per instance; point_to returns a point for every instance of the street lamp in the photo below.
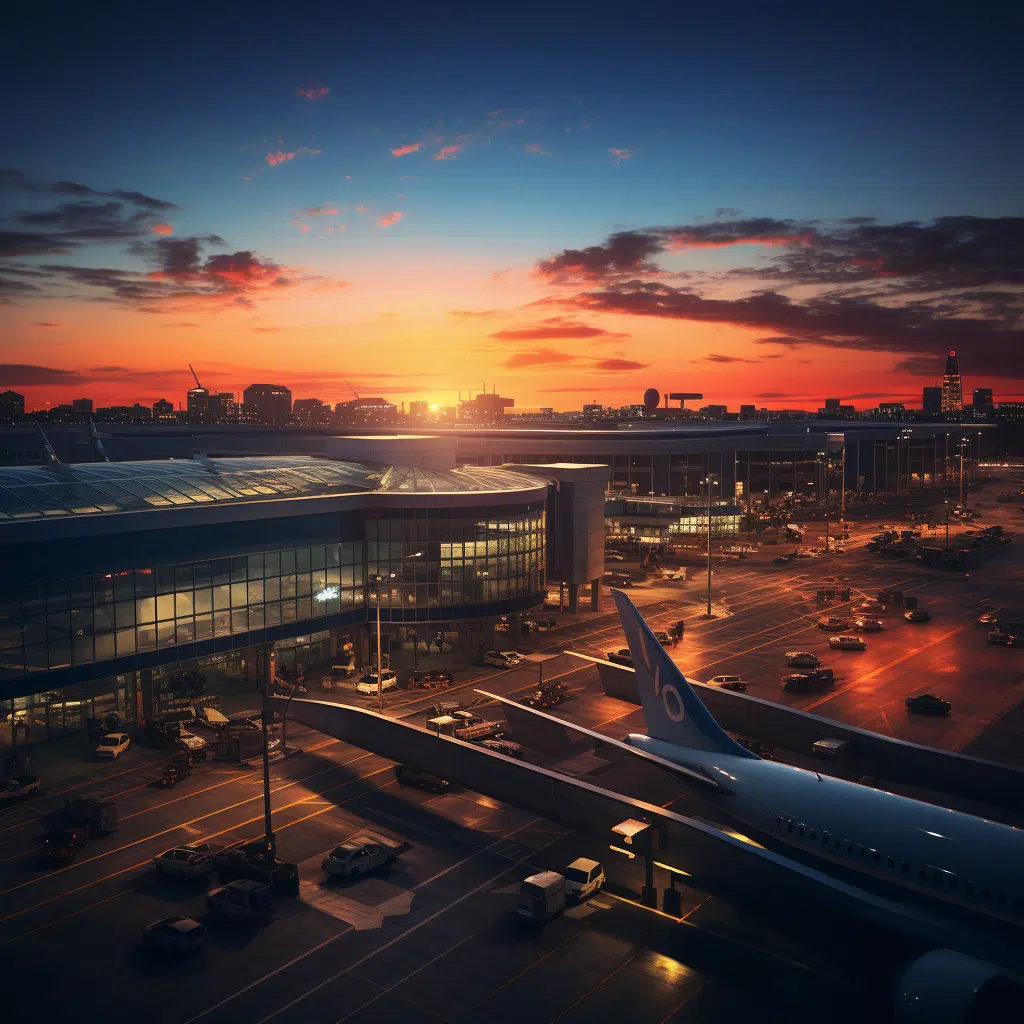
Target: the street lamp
pixel 709 480
pixel 379 579
pixel 947 524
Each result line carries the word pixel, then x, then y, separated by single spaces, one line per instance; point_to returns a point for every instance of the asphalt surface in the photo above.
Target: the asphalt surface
pixel 435 937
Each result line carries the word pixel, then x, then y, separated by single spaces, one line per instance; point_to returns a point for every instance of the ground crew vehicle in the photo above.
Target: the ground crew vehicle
pixel 547 696
pixel 97 817
pixel 541 896
pixel 583 877
pixel 243 901
pixel 621 657
pixel 464 725
pixel 361 855
pixel 429 679
pixel 179 767
pixel 410 775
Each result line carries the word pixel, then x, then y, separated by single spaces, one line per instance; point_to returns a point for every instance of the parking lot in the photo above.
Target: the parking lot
pixel 434 936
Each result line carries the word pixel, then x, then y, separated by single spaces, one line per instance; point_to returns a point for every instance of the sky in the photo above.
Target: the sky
pixel 566 202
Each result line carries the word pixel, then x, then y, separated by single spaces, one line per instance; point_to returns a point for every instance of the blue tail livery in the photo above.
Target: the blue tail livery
pixel 674 713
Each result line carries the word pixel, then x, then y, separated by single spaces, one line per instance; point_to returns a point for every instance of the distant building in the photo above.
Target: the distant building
pixel 82 406
pixel 198 404
pixel 1010 412
pixel 419 410
pixel 12 405
pixel 124 414
pixel 834 409
pixel 365 412
pixel 485 408
pixel 748 412
pixel 310 412
pixel 892 410
pixel 952 386
pixel 931 401
pixel 982 402
pixel 593 409
pixel 163 410
pixel 714 412
pixel 269 404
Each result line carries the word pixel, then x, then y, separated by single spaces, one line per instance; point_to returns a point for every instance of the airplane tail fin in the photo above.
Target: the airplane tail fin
pixel 673 711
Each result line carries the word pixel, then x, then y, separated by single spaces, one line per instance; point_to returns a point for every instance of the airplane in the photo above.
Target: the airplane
pixel 891 845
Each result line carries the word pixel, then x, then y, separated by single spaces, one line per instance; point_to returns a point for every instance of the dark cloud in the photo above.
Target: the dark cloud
pixel 46 324
pixel 14 179
pixel 624 253
pixel 619 364
pixel 727 211
pixel 27 375
pixel 775 395
pixel 788 342
pixel 715 357
pixel 539 357
pixel 554 328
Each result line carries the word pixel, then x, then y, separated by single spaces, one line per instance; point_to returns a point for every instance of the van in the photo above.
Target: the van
pixel 583 877
pixel 541 896
pixel 831 749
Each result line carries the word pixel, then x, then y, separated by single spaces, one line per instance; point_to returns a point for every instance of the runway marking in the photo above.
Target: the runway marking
pixel 680 1005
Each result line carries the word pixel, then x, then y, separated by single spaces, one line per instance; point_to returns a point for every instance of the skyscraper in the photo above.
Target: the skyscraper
pixel 931 401
pixel 952 386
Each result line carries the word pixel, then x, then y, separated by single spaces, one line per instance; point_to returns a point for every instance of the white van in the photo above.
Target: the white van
pixel 541 896
pixel 583 877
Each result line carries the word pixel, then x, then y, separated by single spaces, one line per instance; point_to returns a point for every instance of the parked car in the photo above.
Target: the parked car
pixel 917 615
pixel 429 679
pixel 546 696
pixel 195 745
pixel 243 902
pixel 665 639
pixel 369 683
pixel 410 775
pixel 18 787
pixel 502 659
pixel 545 625
pixel 583 877
pixel 803 682
pixel 506 747
pixel 360 856
pixel 867 625
pixel 189 861
pixel 802 659
pixel 112 746
pixel 928 704
pixel 621 657
pixel 1005 638
pixel 734 683
pixel 614 556
pixel 847 643
pixel 337 675
pixel 870 608
pixel 833 622
pixel 63 845
pixel 176 934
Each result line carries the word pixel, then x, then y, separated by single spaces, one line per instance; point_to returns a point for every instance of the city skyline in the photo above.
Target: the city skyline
pixel 555 225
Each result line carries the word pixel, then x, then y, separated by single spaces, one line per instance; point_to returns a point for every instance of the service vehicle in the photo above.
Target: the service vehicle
pixel 862 625
pixel 677 629
pixel 337 675
pixel 370 684
pixel 112 746
pixel 410 775
pixel 803 682
pixel 175 935
pixel 831 749
pixel 665 639
pixel 362 855
pixel 545 625
pixel 502 659
pixel 507 747
pixel 464 725
pixel 583 877
pixel 833 622
pixel 802 659
pixel 621 657
pixel 917 615
pixel 541 896
pixel 847 643
pixel 63 845
pixel 614 556
pixel 189 861
pixel 547 696
pixel 429 679
pixel 928 704
pixel 211 717
pixel 734 683
pixel 18 787
pixel 193 744
pixel 243 901
pixel 178 768
pixel 97 817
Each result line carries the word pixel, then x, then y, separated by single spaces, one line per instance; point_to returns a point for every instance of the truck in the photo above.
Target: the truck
pixel 364 853
pixel 831 749
pixel 464 725
pixel 252 861
pixel 541 896
pixel 96 817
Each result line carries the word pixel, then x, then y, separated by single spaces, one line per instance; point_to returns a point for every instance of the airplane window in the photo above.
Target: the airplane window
pixel 969 888
pixel 891 861
pixel 812 834
pixel 876 855
pixel 921 873
pixel 789 826
pixel 825 837
pixel 849 847
pixel 906 867
pixel 778 823
pixel 985 893
pixel 801 830
pixel 953 881
pixel 937 876
pixel 863 851
pixel 838 843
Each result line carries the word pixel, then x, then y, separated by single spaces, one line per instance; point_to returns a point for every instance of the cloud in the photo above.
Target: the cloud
pixel 497 275
pixel 619 364
pixel 324 210
pixel 315 92
pixel 622 154
pixel 267 330
pixel 46 324
pixel 390 218
pixel 623 253
pixel 448 152
pixel 539 357
pixel 162 229
pixel 282 157
pixel 483 314
pixel 753 231
pixel 715 357
pixel 27 375
pixel 405 150
pixel 303 228
pixel 14 179
pixel 554 328
pixel 537 149
pixel 728 212
pixel 183 323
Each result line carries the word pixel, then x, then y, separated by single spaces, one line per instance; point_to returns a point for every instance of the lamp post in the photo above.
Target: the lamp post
pixel 961 473
pixel 825 483
pixel 379 579
pixel 947 524
pixel 709 481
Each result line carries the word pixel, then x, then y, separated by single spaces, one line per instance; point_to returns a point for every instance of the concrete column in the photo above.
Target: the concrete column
pixel 515 629
pixel 574 598
pixel 146 686
pixel 595 595
pixel 361 645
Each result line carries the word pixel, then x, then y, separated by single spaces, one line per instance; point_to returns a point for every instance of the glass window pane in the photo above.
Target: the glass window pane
pixel 125 642
pixel 272 613
pixel 183 604
pixel 146 637
pixel 204 627
pixel 105 647
pixel 272 590
pixel 256 616
pixel 204 600
pixel 255 594
pixel 222 597
pixel 165 607
pixel 239 595
pixel 255 567
pixel 165 633
pixel 287 562
pixel 238 569
pixel 272 563
pixel 145 609
pixel 239 620
pixel 222 623
pixel 124 612
pixel 302 560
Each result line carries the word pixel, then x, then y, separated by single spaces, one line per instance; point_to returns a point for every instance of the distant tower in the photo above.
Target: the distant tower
pixel 952 387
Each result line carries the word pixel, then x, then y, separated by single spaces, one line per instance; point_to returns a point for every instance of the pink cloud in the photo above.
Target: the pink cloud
pixel 325 210
pixel 405 150
pixel 162 229
pixel 536 148
pixel 46 324
pixel 316 92
pixel 390 218
pixel 280 156
pixel 622 154
pixel 448 153
pixel 362 208
pixel 303 228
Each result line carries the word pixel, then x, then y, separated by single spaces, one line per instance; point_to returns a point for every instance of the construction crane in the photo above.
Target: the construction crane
pixel 352 389
pixel 199 387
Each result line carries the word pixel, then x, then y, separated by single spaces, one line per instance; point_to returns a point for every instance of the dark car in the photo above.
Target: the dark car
pixel 621 657
pixel 917 615
pixel 804 682
pixel 928 704
pixel 867 625
pixel 409 775
pixel 429 679
pixel 63 845
pixel 665 639
pixel 1004 638
pixel 677 629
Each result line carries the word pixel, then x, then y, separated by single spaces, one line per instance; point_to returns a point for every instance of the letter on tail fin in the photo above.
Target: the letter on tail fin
pixel 674 713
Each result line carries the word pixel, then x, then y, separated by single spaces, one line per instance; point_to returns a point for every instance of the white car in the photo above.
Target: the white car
pixel 502 659
pixel 113 745
pixel 369 684
pixel 847 643
pixel 191 742
pixel 18 787
pixel 356 857
pixel 195 861
pixel 735 683
pixel 176 934
pixel 612 556
pixel 583 878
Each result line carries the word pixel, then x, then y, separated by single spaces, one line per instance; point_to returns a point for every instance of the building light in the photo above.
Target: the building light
pixel 328 594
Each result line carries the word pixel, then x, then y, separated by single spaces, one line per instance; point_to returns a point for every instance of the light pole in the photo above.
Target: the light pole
pixel 709 481
pixel 825 482
pixel 947 524
pixel 379 579
pixel 961 473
